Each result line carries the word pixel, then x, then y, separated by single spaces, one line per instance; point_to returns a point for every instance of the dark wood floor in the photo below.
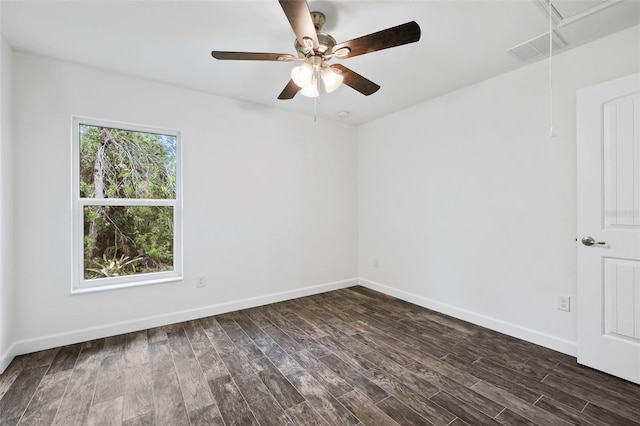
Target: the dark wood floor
pixel 346 357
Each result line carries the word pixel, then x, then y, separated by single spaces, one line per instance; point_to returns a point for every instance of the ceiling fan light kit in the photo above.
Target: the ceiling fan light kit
pixel 316 48
pixel 332 78
pixel 311 90
pixel 302 75
pixel 308 74
pixel 314 67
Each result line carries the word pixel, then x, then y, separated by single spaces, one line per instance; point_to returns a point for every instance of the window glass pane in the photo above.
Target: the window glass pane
pixel 127 240
pixel 117 163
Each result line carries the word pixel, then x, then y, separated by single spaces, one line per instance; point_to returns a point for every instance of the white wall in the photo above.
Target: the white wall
pixel 469 206
pixel 269 202
pixel 6 207
pixel 466 203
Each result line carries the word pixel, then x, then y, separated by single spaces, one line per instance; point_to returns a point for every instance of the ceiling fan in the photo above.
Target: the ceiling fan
pixel 315 49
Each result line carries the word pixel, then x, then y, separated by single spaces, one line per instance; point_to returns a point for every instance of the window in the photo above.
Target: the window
pixel 127 209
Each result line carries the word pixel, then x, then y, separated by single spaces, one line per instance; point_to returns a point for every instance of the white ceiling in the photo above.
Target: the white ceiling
pixel 462 42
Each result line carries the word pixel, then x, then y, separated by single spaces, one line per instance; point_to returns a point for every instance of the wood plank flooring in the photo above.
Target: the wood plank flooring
pixel 347 357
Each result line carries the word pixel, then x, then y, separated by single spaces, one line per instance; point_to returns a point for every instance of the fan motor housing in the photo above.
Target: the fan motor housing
pixel 325 41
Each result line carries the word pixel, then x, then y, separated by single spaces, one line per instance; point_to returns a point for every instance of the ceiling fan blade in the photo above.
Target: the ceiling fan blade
pixel 290 90
pixel 356 81
pixel 253 56
pixel 391 37
pixel 299 17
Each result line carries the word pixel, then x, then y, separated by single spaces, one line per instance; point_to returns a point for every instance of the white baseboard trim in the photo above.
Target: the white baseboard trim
pixel 549 341
pixel 7 356
pixel 75 336
pixel 81 335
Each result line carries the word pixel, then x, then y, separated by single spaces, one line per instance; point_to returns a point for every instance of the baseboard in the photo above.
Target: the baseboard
pixel 6 357
pixel 113 329
pixel 75 336
pixel 549 341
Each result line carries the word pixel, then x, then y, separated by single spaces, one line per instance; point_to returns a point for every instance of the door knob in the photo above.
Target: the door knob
pixel 589 241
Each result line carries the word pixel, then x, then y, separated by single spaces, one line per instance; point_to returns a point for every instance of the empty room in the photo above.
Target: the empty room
pixel 320 212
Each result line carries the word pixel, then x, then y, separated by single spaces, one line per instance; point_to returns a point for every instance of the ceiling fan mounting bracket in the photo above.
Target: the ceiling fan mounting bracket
pixel 318 19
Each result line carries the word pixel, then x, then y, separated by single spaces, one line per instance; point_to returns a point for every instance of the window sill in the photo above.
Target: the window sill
pixel 85 289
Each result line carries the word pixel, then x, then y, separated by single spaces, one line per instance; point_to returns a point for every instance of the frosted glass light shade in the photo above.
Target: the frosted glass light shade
pixel 311 90
pixel 332 79
pixel 302 75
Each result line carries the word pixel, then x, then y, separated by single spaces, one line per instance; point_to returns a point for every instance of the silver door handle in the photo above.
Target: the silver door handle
pixel 589 241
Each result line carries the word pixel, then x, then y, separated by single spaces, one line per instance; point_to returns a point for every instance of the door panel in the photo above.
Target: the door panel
pixel 621 166
pixel 608 155
pixel 622 298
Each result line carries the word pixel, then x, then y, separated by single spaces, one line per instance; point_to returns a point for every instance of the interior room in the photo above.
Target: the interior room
pixel 441 188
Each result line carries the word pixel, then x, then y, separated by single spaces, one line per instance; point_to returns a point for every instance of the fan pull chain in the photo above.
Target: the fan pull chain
pixel 551 133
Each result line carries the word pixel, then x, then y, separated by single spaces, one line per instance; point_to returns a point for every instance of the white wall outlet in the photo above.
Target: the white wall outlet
pixel 376 263
pixel 200 281
pixel 564 303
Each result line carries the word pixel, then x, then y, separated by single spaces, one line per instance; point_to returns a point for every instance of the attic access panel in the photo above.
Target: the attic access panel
pixel 569 8
pixel 566 12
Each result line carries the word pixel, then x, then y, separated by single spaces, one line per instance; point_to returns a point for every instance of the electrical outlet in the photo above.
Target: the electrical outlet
pixel 376 264
pixel 200 281
pixel 564 303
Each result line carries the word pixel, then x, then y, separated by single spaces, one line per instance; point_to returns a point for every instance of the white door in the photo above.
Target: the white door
pixel 608 153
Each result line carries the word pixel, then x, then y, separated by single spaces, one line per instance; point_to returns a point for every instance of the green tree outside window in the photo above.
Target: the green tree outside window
pixel 136 237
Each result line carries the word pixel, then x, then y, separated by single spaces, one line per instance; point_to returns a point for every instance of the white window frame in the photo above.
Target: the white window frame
pixel 81 285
